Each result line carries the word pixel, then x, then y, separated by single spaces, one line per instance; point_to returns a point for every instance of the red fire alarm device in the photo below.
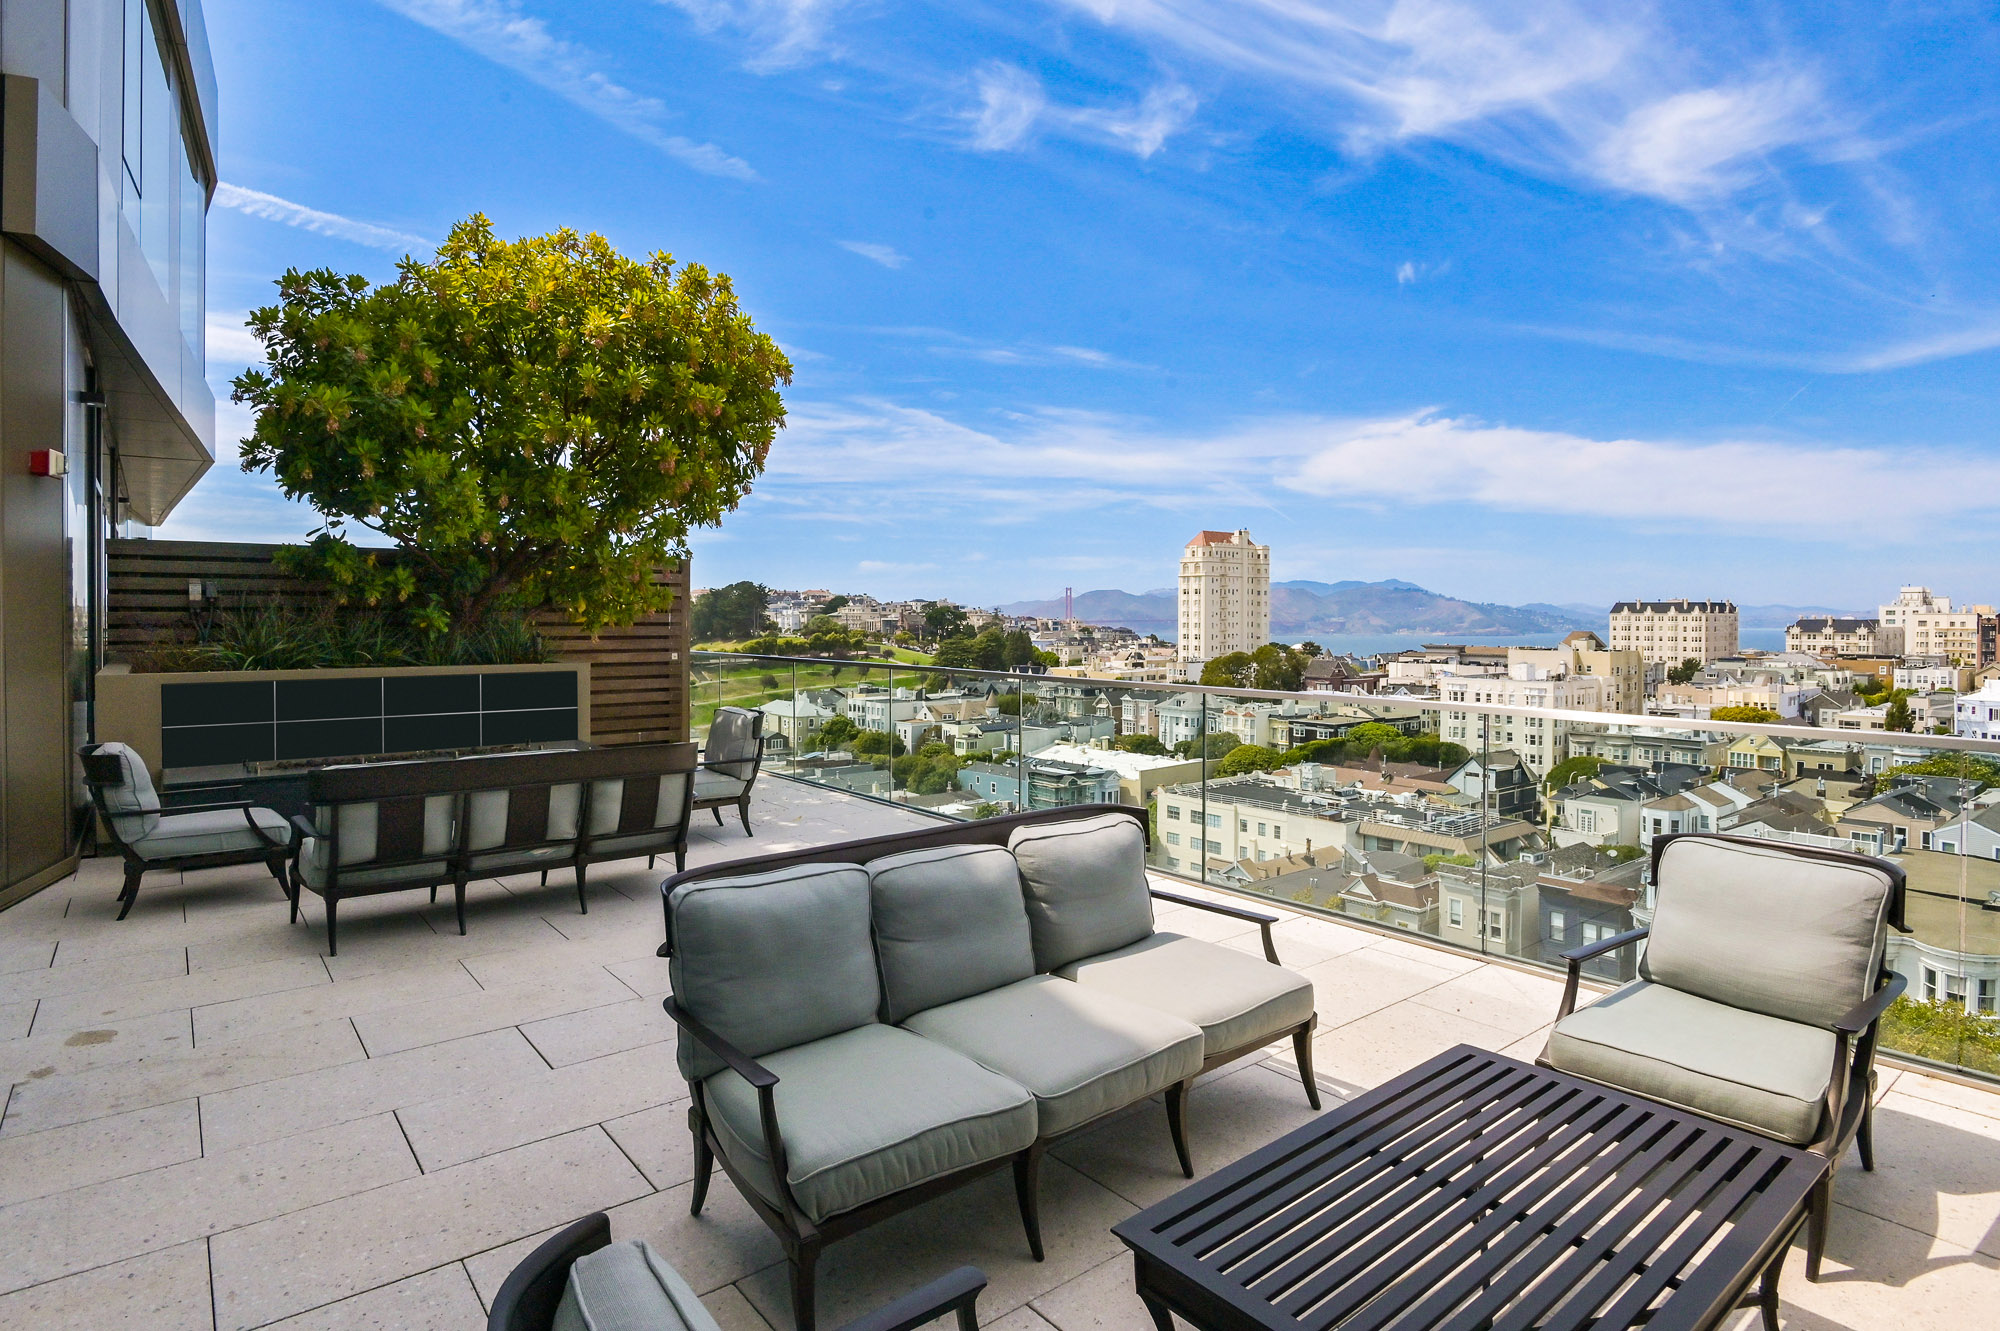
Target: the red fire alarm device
pixel 48 462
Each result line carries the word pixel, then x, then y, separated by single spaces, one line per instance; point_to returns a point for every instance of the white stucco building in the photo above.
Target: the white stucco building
pixel 1225 596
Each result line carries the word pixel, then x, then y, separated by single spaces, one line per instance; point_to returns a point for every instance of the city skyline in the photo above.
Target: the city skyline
pixel 1580 306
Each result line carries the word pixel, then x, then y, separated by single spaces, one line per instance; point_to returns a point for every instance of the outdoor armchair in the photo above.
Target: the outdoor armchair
pixel 580 1281
pixel 195 836
pixel 1759 996
pixel 729 763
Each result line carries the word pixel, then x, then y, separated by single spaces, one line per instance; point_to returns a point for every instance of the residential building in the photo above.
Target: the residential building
pixel 1339 674
pixel 1698 700
pixel 1138 774
pixel 1050 784
pixel 1225 597
pixel 1931 626
pixel 1932 676
pixel 1243 818
pixel 1584 653
pixel 1908 814
pixel 1759 753
pixel 1400 897
pixel 790 723
pixel 1952 954
pixel 1267 723
pixel 1418 668
pixel 1501 779
pixel 1642 746
pixel 1824 637
pixel 1670 632
pixel 1605 809
pixel 1824 756
pixel 1491 908
pixel 1977 715
pixel 1541 742
pixel 1586 895
pixel 108 420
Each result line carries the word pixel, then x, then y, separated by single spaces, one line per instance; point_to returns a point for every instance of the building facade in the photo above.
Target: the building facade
pixel 1540 741
pixel 105 417
pixel 1843 637
pixel 1977 715
pixel 1932 627
pixel 1225 596
pixel 1670 632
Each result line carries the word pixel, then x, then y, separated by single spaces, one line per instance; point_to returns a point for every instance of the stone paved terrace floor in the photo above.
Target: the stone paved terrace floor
pixel 210 1125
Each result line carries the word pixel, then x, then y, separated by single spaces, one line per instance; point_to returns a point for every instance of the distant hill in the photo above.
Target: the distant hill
pixel 1300 609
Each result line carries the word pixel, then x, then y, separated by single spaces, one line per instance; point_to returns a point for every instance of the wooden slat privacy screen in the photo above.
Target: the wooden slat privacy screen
pixel 638 675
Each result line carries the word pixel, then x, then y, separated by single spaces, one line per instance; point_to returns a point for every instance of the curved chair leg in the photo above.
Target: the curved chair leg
pixel 717 811
pixel 582 902
pixel 277 865
pixel 1767 1292
pixel 1162 1319
pixel 1177 1123
pixel 803 1260
pixel 1818 1212
pixel 649 861
pixel 1027 1192
pixel 458 890
pixel 545 878
pixel 743 812
pixel 434 894
pixel 296 888
pixel 1864 1136
pixel 704 1162
pixel 332 910
pixel 130 892
pixel 1302 1050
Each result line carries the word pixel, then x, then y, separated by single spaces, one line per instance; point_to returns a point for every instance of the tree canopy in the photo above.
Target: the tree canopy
pixel 735 611
pixel 1898 715
pixel 1744 714
pixel 1571 770
pixel 1139 743
pixel 944 620
pixel 530 423
pixel 1685 672
pixel 1272 666
pixel 1249 758
pixel 1964 766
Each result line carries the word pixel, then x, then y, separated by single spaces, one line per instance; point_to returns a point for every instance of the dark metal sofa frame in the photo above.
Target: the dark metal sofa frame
pixel 803 1238
pixel 1850 1108
pixel 399 790
pixel 101 770
pixel 528 1298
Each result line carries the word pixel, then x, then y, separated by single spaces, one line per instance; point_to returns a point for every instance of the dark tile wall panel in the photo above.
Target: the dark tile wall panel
pixel 529 689
pixel 213 746
pixel 346 737
pixel 320 699
pixel 235 702
pixel 534 727
pixel 412 734
pixel 424 695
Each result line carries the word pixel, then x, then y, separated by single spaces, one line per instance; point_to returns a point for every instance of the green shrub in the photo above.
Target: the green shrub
pixel 282 635
pixel 1943 1032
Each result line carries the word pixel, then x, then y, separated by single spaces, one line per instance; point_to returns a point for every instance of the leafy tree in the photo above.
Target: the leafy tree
pixel 530 423
pixel 944 620
pixel 931 770
pixel 1744 714
pixel 833 603
pixel 1369 734
pixel 1272 666
pixel 986 651
pixel 732 612
pixel 1310 649
pixel 1964 766
pixel 1211 746
pixel 1138 743
pixel 837 732
pixel 1007 704
pixel 1431 862
pixel 984 810
pixel 1685 672
pixel 878 744
pixel 1571 770
pixel 821 625
pixel 1898 717
pixel 1249 758
pixel 1017 649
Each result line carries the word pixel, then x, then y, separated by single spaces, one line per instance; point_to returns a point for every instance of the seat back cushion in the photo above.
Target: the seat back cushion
pixel 773 960
pixel 134 805
pixel 358 829
pixel 628 1287
pixel 732 742
pixel 1086 886
pixel 491 814
pixel 949 923
pixel 1767 930
pixel 609 815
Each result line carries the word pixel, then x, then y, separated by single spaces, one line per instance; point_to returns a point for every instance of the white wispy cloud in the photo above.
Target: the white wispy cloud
pixel 229 342
pixel 785 33
pixel 1011 100
pixel 271 208
pixel 886 255
pixel 501 32
pixel 1419 460
pixel 1010 105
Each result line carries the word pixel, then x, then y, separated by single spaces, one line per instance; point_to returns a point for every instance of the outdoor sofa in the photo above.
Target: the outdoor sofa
pixel 868 1025
pixel 1759 999
pixel 401 826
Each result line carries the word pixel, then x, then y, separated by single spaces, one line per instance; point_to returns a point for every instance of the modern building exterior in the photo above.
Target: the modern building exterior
pixel 1672 631
pixel 1932 627
pixel 1824 637
pixel 1225 596
pixel 107 166
pixel 1977 715
pixel 1623 670
pixel 1541 742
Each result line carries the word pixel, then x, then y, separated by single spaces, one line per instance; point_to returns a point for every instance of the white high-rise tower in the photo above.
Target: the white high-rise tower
pixel 1225 596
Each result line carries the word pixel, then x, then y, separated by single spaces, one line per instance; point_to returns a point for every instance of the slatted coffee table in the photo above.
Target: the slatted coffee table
pixel 1480 1192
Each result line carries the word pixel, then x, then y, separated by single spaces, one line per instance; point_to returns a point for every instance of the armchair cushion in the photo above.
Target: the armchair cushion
pixel 773 960
pixel 1081 1051
pixel 133 803
pixel 1767 930
pixel 359 826
pixel 1744 1068
pixel 733 740
pixel 607 800
pixel 214 832
pixel 868 1112
pixel 949 922
pixel 1237 999
pixel 1086 886
pixel 709 785
pixel 629 1287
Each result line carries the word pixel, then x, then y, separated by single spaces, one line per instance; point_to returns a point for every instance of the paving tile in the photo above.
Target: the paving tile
pixel 558 956
pixel 1529 1047
pixel 85 1227
pixel 1386 1043
pixel 25 953
pixel 478 1065
pixel 595 1032
pixel 94 976
pixel 422 941
pixel 413 1024
pixel 17 1019
pixel 1972 1099
pixel 1320 935
pixel 1879 1275
pixel 165 1290
pixel 733 1312
pixel 1227 1118
pixel 110 1004
pixel 160 1034
pixel 52 1101
pixel 1368 980
pixel 977 1225
pixel 437 1300
pixel 659 1141
pixel 280 1267
pixel 1408 946
pixel 36 1164
pixel 1937 1169
pixel 647 977
pixel 1101 1299
pixel 1023 1318
pixel 540 1103
pixel 1497 996
pixel 437 982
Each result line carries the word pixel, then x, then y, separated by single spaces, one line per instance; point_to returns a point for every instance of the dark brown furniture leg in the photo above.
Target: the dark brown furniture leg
pixel 803 1259
pixel 1027 1192
pixel 1177 1123
pixel 1818 1214
pixel 582 902
pixel 130 893
pixel 1767 1290
pixel 1302 1050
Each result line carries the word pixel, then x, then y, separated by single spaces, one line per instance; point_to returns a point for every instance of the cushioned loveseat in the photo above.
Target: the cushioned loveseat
pixel 867 1025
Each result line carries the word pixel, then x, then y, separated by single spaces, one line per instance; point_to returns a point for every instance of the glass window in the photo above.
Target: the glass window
pixel 1558 924
pixel 1260 829
pixel 160 135
pixel 1215 847
pixel 1173 838
pixel 1173 813
pixel 1455 911
pixel 1215 820
pixel 192 266
pixel 1985 995
pixel 1276 830
pixel 1242 824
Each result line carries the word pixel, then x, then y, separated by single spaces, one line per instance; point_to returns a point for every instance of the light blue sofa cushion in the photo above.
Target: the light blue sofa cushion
pixel 949 922
pixel 1086 886
pixel 773 960
pixel 1237 999
pixel 869 1112
pixel 629 1287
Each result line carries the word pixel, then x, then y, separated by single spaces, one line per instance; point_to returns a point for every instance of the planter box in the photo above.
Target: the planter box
pixel 221 718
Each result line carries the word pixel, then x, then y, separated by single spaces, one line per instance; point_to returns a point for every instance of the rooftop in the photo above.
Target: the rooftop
pixel 213 1126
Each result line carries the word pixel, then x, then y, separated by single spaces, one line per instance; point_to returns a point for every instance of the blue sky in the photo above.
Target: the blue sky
pixel 1530 301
